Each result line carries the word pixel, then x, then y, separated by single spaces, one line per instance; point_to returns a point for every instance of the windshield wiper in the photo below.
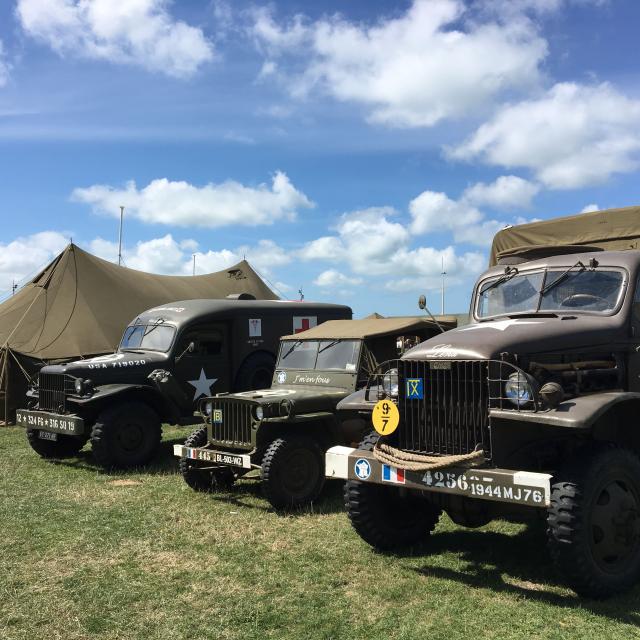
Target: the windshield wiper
pixel 562 277
pixel 155 326
pixel 511 271
pixel 328 346
pixel 293 346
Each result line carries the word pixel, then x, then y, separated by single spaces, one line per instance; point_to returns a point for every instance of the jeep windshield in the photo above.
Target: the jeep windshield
pixel 570 290
pixel 147 337
pixel 323 355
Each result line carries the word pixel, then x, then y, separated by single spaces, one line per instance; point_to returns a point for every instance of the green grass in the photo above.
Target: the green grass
pixel 85 554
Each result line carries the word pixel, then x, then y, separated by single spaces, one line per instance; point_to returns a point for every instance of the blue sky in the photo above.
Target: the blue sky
pixel 344 148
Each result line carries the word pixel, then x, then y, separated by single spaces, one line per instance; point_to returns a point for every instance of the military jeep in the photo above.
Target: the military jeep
pixel 528 412
pixel 169 357
pixel 285 430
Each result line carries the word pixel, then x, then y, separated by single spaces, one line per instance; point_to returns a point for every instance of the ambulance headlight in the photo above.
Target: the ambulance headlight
pixel 390 383
pixel 79 386
pixel 517 389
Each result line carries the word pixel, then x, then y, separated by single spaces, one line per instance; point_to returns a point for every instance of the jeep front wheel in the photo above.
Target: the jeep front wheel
pixel 292 471
pixel 594 522
pixel 126 435
pixel 383 516
pixel 63 447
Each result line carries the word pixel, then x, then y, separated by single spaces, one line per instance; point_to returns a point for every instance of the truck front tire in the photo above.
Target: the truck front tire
pixel 63 447
pixel 594 522
pixel 126 435
pixel 385 518
pixel 292 471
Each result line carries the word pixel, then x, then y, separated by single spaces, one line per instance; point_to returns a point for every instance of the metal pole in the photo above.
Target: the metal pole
pixel 443 274
pixel 120 236
pixel 194 264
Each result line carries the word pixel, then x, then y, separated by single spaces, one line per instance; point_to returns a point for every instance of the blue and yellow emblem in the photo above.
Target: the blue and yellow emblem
pixel 414 388
pixel 216 417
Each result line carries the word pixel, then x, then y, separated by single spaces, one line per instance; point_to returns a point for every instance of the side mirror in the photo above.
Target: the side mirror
pixel 422 302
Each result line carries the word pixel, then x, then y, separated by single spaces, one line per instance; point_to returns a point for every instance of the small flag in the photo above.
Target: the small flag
pixel 392 474
pixel 415 389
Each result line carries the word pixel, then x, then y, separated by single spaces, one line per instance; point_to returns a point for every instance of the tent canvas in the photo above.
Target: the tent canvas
pixel 79 305
pixel 611 229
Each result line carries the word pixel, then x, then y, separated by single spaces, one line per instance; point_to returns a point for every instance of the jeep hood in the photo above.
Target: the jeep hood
pixel 303 399
pixel 522 336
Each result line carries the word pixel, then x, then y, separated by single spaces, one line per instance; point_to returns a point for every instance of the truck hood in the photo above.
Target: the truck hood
pixel 122 367
pixel 522 336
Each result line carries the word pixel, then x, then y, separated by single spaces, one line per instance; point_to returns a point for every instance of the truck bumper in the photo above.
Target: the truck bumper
pixel 65 424
pixel 213 457
pixel 499 485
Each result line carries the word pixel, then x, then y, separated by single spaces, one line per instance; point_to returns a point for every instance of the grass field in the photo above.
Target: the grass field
pixel 139 555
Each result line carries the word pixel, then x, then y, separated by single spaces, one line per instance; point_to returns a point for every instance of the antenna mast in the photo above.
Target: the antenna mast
pixel 194 264
pixel 120 236
pixel 443 274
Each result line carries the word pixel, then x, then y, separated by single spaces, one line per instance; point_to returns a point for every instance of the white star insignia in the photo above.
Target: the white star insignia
pixel 202 385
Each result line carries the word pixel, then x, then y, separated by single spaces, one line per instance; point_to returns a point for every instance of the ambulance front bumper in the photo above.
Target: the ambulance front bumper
pixel 499 485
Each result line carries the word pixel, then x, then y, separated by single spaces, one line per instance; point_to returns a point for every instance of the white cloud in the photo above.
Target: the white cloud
pixel 410 70
pixel 24 256
pixel 573 136
pixel 5 67
pixel 434 211
pixel 137 32
pixel 590 208
pixel 506 192
pixel 333 278
pixel 215 205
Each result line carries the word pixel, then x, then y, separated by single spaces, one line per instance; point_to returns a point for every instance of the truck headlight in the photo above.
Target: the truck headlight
pixel 79 386
pixel 390 383
pixel 517 389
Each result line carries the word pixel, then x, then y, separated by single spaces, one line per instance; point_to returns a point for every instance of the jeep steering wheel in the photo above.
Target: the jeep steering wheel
pixel 583 299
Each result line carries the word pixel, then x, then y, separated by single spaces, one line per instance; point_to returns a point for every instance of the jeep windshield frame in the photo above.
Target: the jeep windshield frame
pixel 320 355
pixel 586 291
pixel 148 337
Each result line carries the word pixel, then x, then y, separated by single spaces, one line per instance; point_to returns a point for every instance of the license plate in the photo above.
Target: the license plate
pixel 48 435
pixel 53 422
pixel 215 457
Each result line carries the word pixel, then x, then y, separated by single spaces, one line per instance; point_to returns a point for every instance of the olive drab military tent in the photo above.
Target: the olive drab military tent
pixel 610 229
pixel 79 306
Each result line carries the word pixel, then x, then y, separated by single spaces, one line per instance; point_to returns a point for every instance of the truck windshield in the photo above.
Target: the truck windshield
pixel 583 289
pixel 341 355
pixel 154 337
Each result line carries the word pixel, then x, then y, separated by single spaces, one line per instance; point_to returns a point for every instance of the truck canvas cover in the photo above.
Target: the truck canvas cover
pixel 611 229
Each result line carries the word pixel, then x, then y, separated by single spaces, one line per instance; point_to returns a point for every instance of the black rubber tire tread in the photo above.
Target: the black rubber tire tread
pixel 379 517
pixel 274 465
pixel 104 431
pixel 567 530
pixel 245 377
pixel 203 480
pixel 64 447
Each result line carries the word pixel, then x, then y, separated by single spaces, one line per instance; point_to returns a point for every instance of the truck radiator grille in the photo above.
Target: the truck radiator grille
pixel 235 429
pixel 452 416
pixel 53 389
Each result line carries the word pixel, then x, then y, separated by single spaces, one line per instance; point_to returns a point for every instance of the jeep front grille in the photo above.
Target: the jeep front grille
pixel 53 389
pixel 452 416
pixel 235 429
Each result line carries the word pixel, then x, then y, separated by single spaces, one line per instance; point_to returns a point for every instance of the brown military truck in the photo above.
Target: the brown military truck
pixel 285 430
pixel 169 357
pixel 529 411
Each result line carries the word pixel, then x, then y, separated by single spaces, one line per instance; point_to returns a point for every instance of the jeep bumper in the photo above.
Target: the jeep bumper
pixel 500 485
pixel 213 457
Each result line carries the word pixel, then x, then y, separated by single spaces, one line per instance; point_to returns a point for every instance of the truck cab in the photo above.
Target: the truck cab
pixel 283 431
pixel 530 411
pixel 169 358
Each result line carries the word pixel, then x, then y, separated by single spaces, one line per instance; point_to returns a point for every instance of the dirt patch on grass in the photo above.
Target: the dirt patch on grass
pixel 124 483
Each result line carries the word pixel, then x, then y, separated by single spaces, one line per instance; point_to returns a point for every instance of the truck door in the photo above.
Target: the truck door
pixel 203 370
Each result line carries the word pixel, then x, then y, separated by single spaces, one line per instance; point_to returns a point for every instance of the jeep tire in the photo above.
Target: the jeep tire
pixel 594 521
pixel 256 372
pixel 292 471
pixel 385 518
pixel 64 447
pixel 126 435
pixel 204 480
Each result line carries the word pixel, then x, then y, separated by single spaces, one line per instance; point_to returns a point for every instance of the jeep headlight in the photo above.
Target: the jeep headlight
pixel 390 383
pixel 208 407
pixel 517 389
pixel 259 412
